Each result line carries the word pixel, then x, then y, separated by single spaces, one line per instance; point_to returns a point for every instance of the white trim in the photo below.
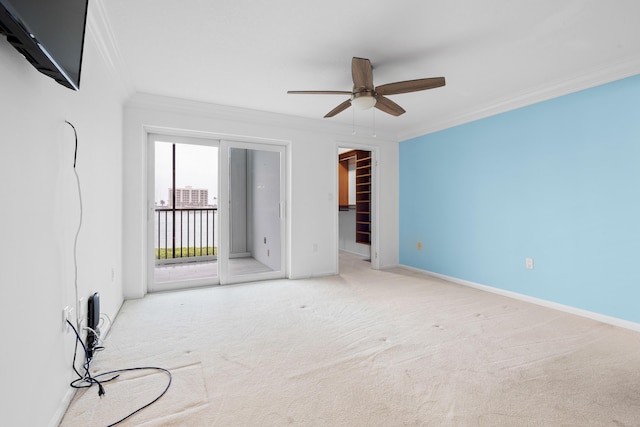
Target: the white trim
pixel 62 408
pixel 608 73
pixel 149 216
pixel 526 298
pixel 358 254
pixel 150 102
pixel 188 136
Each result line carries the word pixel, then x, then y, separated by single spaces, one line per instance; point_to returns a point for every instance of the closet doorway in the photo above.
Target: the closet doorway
pixel 356 203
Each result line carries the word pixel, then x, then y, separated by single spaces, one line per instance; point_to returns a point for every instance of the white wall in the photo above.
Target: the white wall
pixel 40 213
pixel 312 214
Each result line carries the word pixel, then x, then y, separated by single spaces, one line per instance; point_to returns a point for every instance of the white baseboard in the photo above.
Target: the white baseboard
pixel 526 298
pixel 360 254
pixel 62 408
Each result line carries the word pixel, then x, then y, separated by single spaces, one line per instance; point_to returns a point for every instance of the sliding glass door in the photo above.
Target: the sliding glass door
pixel 216 212
pixel 252 216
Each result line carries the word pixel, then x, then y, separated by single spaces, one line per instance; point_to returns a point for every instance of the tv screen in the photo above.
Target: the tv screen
pixel 50 35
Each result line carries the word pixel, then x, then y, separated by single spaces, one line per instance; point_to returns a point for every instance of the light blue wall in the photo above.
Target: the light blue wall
pixel 557 181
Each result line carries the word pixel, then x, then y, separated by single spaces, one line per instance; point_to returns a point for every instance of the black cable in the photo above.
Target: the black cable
pixel 75 240
pixel 75 154
pixel 148 404
pixel 90 380
pixel 87 377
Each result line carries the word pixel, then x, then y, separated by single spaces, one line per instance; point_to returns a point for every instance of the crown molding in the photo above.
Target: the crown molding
pixel 100 31
pixel 151 102
pixel 627 67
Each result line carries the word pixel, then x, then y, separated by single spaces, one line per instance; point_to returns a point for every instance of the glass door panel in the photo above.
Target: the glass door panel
pixel 185 212
pixel 252 217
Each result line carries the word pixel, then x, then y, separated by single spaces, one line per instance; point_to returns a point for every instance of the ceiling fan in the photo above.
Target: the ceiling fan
pixel 364 95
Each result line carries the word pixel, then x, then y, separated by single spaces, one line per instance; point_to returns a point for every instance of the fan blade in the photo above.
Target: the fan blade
pixel 362 73
pixel 410 86
pixel 346 104
pixel 319 92
pixel 388 106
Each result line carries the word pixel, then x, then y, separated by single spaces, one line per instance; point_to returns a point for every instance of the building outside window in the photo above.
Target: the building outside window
pixel 189 197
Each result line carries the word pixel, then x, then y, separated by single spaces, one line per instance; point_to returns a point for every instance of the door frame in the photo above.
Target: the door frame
pixel 179 135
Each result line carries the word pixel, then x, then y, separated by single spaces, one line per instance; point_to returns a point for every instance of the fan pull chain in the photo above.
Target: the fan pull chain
pixel 373 111
pixel 353 122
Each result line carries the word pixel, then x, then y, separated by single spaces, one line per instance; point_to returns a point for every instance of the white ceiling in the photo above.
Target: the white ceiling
pixel 494 54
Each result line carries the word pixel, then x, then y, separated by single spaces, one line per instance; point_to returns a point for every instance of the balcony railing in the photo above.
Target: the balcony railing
pixel 185 234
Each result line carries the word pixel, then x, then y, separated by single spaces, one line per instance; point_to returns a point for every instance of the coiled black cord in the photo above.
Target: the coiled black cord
pixel 87 380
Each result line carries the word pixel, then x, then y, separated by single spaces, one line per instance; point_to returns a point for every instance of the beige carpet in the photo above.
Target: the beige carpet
pixel 366 348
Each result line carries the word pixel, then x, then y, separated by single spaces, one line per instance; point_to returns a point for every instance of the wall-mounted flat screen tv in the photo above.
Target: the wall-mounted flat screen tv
pixel 49 34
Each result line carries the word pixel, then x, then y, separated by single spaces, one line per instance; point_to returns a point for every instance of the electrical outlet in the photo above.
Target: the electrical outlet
pixel 529 263
pixel 67 314
pixel 419 246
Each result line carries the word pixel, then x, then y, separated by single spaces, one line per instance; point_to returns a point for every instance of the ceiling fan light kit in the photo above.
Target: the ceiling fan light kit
pixel 364 95
pixel 363 100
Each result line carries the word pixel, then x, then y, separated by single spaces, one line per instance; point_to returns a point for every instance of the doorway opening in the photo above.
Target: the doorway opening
pixel 185 212
pixel 356 203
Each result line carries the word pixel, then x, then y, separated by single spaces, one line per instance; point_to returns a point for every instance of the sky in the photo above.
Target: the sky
pixel 196 166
